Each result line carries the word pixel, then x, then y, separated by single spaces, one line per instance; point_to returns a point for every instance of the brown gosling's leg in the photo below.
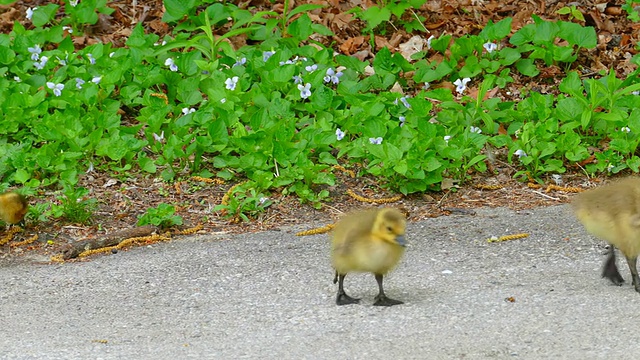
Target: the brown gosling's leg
pixel 381 299
pixel 610 270
pixel 343 298
pixel 634 272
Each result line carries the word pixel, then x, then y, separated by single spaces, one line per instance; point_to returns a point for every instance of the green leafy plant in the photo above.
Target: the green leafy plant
pixel 572 11
pixel 74 205
pixel 163 215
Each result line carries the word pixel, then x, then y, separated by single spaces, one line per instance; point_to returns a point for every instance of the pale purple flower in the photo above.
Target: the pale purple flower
pixel 311 68
pixel 405 102
pixel 40 65
pixel 96 79
pixel 520 153
pixel 426 86
pixel 266 55
pixel 490 47
pixel 17 79
pixel 73 3
pixel 305 91
pixel 171 64
pixel 476 130
pixel 447 138
pixel 159 138
pixel 240 62
pixel 92 60
pixel 231 83
pixel 35 52
pixel 332 76
pixel 30 13
pixel 376 141
pixel 625 129
pixel 68 28
pixel 402 120
pixel 297 79
pixel 461 85
pixel 57 88
pixel 339 134
pixel 223 100
pixel 79 83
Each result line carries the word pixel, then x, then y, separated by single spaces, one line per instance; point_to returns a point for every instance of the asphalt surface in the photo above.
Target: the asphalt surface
pixel 270 296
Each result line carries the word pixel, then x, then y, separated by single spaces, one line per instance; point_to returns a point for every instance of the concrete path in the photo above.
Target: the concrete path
pixel 270 296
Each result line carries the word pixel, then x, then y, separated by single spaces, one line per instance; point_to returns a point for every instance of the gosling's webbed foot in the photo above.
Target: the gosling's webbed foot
pixel 382 300
pixel 344 299
pixel 610 270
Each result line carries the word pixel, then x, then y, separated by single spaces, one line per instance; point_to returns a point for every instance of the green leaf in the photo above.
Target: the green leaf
pixel 527 67
pixel 303 8
pixel 176 9
pixel 497 31
pixel 575 34
pixel 301 28
pixel 374 16
pixel 44 14
pixel 147 165
pixel 6 55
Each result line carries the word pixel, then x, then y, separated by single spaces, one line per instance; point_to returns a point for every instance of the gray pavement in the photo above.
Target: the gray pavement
pixel 270 295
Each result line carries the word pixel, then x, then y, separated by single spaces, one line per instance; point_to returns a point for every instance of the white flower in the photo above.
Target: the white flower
pixel 68 28
pixel 461 85
pixel 111 54
pixel 426 86
pixel 266 55
pixel 305 91
pixel 90 169
pixel 610 167
pixel 57 88
pixel 79 83
pixel 297 79
pixel 311 68
pixel 231 83
pixel 263 200
pixel 476 130
pixel 17 79
pixel 35 52
pixel 159 138
pixel 376 141
pixel 40 65
pixel 402 120
pixel 447 138
pixel 187 111
pixel 490 47
pixel 625 129
pixel 96 79
pixel 30 12
pixel 223 100
pixel 73 3
pixel 92 60
pixel 429 41
pixel 62 62
pixel 171 64
pixel 520 153
pixel 635 92
pixel 339 134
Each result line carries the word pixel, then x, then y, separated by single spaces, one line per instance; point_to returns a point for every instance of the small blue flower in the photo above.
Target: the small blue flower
pixel 266 55
pixel 305 91
pixel 240 62
pixel 476 130
pixel 447 138
pixel 30 12
pixel 402 120
pixel 520 153
pixel 159 138
pixel 405 102
pixel 376 141
pixel 35 52
pixel 40 65
pixel 332 76
pixel 79 83
pixel 490 47
pixel 311 68
pixel 231 83
pixel 171 64
pixel 69 29
pixel 96 79
pixel 339 134
pixel 92 60
pixel 57 88
pixel 297 79
pixel 223 100
pixel 17 79
pixel 461 85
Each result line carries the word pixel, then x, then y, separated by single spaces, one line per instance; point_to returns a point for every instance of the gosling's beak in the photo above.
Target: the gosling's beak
pixel 401 240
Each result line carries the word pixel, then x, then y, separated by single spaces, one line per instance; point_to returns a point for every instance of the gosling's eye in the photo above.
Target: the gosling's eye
pixel 389 229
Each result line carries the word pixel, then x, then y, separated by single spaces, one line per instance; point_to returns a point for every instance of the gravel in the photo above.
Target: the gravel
pixel 270 295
